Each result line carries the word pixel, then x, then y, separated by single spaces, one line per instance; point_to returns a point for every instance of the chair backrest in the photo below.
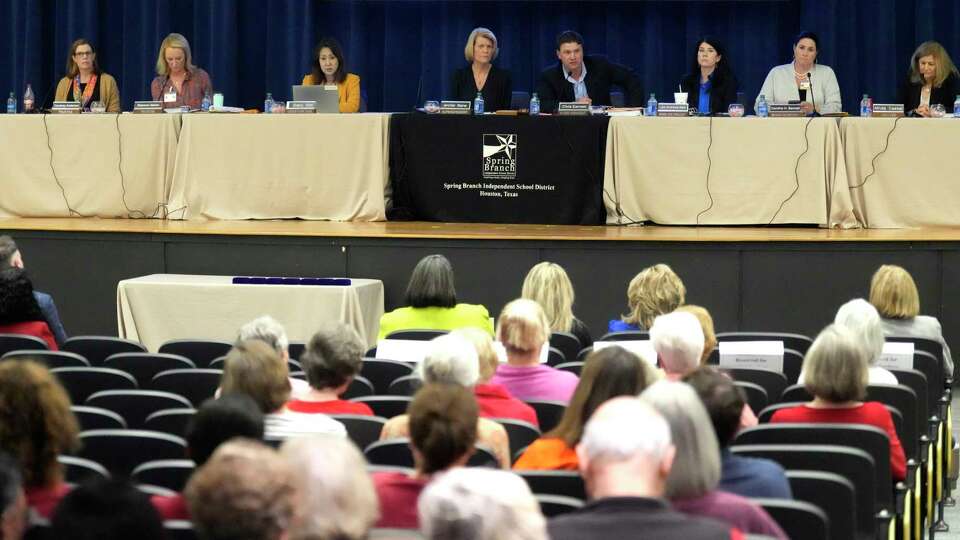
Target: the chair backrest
pixel 766 414
pixel 795 392
pixel 416 334
pixel 756 395
pixel 120 450
pixel 386 406
pixel 394 534
pixel 771 381
pixel 519 100
pixel 584 353
pixel 915 380
pixel 798 519
pixel 359 387
pixel 363 430
pixel 626 335
pixel 929 365
pixel 555 505
pixel 168 473
pixel 405 386
pixel 77 470
pixel 143 366
pixel 200 351
pixel 555 357
pixel 929 346
pixel 51 359
pixel 381 373
pixel 197 385
pixel 566 343
pixel 295 349
pixel 172 421
pixel 97 418
pixel 97 348
pixel 549 412
pixel 397 452
pixel 565 483
pixel 902 398
pixel 179 530
pixel 520 434
pixel 797 342
pixel 573 367
pixel 81 382
pixel 16 342
pixel 136 405
pixel 834 495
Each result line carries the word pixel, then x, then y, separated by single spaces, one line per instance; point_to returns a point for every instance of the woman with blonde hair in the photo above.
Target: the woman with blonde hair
pixel 493 399
pixel 547 284
pixel 178 82
pixel 654 291
pixel 480 76
pixel 932 80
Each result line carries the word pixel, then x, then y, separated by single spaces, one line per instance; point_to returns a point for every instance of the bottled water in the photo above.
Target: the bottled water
pixel 28 99
pixel 12 104
pixel 205 104
pixel 535 104
pixel 268 104
pixel 865 108
pixel 478 104
pixel 956 107
pixel 652 105
pixel 763 110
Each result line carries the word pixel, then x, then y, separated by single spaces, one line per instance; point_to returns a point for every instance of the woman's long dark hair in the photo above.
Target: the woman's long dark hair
pixel 17 303
pixel 722 72
pixel 338 76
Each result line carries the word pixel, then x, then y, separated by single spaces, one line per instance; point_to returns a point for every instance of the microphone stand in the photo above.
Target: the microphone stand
pixel 813 98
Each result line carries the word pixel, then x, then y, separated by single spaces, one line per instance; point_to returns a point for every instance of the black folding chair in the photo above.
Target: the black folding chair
pixel 121 450
pixel 796 342
pixel 295 349
pixel 381 373
pixel 408 385
pixel 78 470
pixel 566 343
pixel 520 434
pixel 767 413
pixel 755 395
pixel 549 413
pixel 555 357
pixel 832 493
pixel 359 387
pixel 564 483
pixel 51 359
pixel 555 505
pixel 136 405
pixel 771 381
pixel 798 519
pixel 573 367
pixel 197 385
pixel 795 392
pixel 81 383
pixel 397 452
pixel 363 430
pixel 200 351
pixel 97 348
pixel 17 342
pixel 584 353
pixel 172 421
pixel 179 530
pixel 627 335
pixel 416 334
pixel 143 366
pixel 168 473
pixel 97 418
pixel 386 406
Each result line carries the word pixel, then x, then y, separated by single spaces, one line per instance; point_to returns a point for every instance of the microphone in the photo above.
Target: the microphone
pixel 813 98
pixel 41 107
pixel 419 102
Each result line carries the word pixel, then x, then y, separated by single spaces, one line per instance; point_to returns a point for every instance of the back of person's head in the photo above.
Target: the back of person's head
pixel 654 291
pixel 443 426
pixel 569 36
pixel 219 420
pixel 268 330
pixel 523 326
pixel 13 502
pixel 431 284
pixel 336 494
pixel 480 504
pixel 8 251
pixel 106 509
pixel 485 352
pixel 894 293
pixel 333 356
pixel 17 303
pixel 450 359
pixel 835 368
pixel 721 397
pixel 548 285
pixel 607 373
pixel 678 339
pixel 696 469
pixel 246 491
pixel 861 318
pixel 36 423
pixel 254 368
pixel 706 324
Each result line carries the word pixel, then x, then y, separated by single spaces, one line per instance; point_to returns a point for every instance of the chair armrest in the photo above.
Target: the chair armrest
pixel 883 518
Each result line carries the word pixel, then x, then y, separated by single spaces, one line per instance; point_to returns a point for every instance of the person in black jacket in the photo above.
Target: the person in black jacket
pixel 481 76
pixel 932 80
pixel 710 85
pixel 582 78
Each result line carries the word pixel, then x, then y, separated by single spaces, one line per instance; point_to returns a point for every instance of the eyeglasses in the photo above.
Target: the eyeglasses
pixel 83 54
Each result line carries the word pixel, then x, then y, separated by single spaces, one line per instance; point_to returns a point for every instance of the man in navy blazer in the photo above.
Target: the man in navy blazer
pixel 586 79
pixel 10 257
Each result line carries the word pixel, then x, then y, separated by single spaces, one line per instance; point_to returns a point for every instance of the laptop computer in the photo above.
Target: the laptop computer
pixel 328 101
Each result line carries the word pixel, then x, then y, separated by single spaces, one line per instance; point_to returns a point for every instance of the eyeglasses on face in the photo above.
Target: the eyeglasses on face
pixel 83 54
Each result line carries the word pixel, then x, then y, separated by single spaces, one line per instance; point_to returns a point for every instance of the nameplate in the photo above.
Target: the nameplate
pixel 147 107
pixel 896 355
pixel 673 109
pixel 766 355
pixel 887 110
pixel 572 107
pixel 402 350
pixel 455 107
pixel 301 107
pixel 502 352
pixel 784 110
pixel 66 107
pixel 641 348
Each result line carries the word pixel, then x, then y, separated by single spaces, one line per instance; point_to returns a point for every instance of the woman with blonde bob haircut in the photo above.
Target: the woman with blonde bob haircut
pixel 178 82
pixel 548 285
pixel 654 291
pixel 894 294
pixel 933 79
pixel 480 76
pixel 493 399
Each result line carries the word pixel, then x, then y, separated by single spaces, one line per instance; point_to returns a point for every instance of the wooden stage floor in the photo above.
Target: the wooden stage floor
pixel 477 231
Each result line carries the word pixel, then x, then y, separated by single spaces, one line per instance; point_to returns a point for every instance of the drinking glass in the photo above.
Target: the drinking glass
pixel 937 110
pixel 431 106
pixel 735 110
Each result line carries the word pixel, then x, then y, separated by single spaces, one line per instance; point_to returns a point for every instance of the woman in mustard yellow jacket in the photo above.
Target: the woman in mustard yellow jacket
pixel 330 68
pixel 84 82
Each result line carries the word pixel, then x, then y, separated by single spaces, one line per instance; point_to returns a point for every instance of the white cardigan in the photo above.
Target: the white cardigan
pixel 780 86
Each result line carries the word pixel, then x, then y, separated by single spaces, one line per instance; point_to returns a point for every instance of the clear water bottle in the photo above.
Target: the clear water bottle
pixel 866 109
pixel 28 99
pixel 763 110
pixel 535 104
pixel 12 104
pixel 207 100
pixel 652 105
pixel 478 104
pixel 268 104
pixel 956 107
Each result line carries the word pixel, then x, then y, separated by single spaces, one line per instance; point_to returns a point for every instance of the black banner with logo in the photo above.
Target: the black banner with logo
pixel 498 169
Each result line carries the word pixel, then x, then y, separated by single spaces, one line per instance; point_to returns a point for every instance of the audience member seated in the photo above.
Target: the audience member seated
pixel 835 373
pixel 706 324
pixel 432 302
pixel 19 311
pixel 36 426
pixel 480 504
pixel 331 360
pixel 106 509
pixel 246 490
pixel 692 484
pixel 254 368
pixel 861 318
pixel 270 331
pixel 894 294
pixel 744 476
pixel 443 431
pixel 215 422
pixel 493 399
pixel 625 459
pixel 13 502
pixel 607 373
pixel 335 493
pixel 523 330
pixel 11 256
pixel 654 291
pixel 452 360
pixel 547 284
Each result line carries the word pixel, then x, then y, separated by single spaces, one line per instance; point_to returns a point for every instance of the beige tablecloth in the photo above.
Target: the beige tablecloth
pixel 656 169
pixel 156 308
pixel 308 166
pixel 87 162
pixel 915 182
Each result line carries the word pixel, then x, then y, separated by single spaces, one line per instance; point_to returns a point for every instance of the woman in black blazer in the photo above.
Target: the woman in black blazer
pixel 481 75
pixel 932 80
pixel 710 73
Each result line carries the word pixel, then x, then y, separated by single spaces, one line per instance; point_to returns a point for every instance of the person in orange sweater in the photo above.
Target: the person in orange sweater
pixel 329 67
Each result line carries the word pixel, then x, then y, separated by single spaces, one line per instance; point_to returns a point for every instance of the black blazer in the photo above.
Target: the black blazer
pixel 910 94
pixel 497 91
pixel 553 87
pixel 723 91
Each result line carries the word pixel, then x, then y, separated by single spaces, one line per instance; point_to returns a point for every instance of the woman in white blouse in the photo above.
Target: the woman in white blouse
pixel 813 84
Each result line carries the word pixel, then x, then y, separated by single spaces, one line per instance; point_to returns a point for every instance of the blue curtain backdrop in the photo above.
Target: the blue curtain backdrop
pixel 250 47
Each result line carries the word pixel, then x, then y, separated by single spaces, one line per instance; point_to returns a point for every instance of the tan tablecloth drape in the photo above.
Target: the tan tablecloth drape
pixel 915 182
pixel 87 162
pixel 307 166
pixel 657 169
pixel 157 308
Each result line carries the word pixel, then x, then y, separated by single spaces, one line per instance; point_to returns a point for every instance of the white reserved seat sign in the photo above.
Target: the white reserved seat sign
pixel 502 352
pixel 402 350
pixel 896 355
pixel 641 348
pixel 766 355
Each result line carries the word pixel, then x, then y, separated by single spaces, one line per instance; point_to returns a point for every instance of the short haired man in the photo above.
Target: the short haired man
pixel 10 257
pixel 625 458
pixel 584 78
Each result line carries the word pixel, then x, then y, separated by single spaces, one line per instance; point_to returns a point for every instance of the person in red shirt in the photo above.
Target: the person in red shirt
pixel 19 311
pixel 331 360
